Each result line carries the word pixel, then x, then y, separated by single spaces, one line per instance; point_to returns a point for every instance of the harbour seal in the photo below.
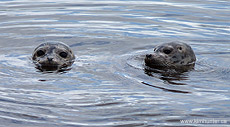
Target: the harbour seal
pixel 52 56
pixel 173 55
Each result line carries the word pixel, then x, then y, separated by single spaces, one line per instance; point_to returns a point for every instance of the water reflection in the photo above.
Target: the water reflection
pixel 169 75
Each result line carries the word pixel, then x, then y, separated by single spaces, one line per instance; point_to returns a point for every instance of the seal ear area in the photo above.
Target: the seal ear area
pixel 181 49
pixel 71 54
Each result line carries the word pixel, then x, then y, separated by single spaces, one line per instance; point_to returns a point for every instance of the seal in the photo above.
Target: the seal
pixel 52 56
pixel 173 55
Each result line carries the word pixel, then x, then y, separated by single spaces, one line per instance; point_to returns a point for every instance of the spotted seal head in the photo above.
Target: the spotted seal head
pixel 52 56
pixel 173 55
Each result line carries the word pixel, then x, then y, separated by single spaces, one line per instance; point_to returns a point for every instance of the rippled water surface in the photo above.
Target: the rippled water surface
pixel 108 85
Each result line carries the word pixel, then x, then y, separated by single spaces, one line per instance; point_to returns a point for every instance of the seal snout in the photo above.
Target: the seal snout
pixel 50 59
pixel 149 59
pixel 148 55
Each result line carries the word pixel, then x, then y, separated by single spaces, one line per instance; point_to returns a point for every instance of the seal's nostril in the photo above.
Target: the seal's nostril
pixel 50 59
pixel 148 55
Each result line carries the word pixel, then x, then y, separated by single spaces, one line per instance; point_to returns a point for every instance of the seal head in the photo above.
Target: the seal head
pixel 52 56
pixel 173 55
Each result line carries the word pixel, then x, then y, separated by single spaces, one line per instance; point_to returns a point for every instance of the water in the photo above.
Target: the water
pixel 108 85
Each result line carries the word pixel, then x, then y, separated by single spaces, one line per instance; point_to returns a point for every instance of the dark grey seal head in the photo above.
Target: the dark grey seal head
pixel 173 55
pixel 53 56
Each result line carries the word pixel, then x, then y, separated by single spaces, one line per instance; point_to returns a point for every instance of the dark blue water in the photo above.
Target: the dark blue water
pixel 108 85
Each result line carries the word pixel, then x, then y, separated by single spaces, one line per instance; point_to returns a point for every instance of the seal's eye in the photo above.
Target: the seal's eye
pixel 180 48
pixel 167 51
pixel 40 53
pixel 63 54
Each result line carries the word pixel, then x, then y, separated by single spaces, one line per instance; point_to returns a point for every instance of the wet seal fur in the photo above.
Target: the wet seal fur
pixel 53 56
pixel 174 55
